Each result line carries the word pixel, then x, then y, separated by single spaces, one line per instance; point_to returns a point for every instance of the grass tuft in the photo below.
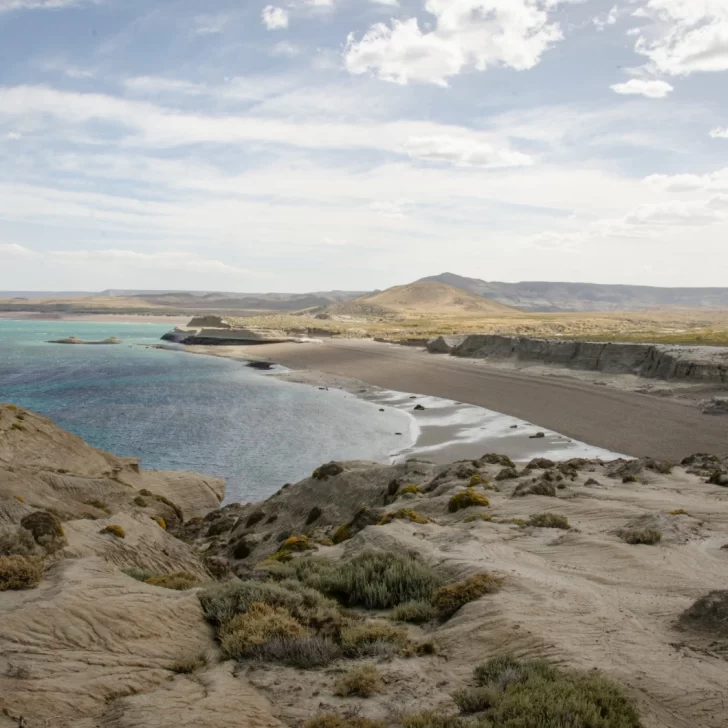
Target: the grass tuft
pixel 188 664
pixel 647 536
pixel 466 499
pixel 362 682
pixel 449 599
pixel 416 612
pixel 20 572
pixel 404 514
pixel 549 520
pixel 179 581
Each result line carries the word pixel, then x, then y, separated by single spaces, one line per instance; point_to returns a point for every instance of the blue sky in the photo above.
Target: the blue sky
pixel 318 144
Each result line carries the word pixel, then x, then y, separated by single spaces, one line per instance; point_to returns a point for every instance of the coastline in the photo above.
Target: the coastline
pixel 617 420
pixel 443 431
pixel 105 318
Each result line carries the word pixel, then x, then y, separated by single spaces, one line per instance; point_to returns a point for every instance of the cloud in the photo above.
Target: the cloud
pixel 274 18
pixel 284 48
pixel 14 250
pixel 719 133
pixel 7 6
pixel 465 152
pixel 390 3
pixel 154 85
pixel 477 34
pixel 605 19
pixel 641 87
pixel 211 24
pixel 715 181
pixel 13 136
pixel 686 36
pixel 695 213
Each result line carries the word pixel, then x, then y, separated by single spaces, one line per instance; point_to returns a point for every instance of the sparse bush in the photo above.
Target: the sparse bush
pixel 549 520
pixel 448 599
pixel 466 499
pixel 477 517
pixel 709 613
pixel 98 504
pixel 511 693
pixel 679 512
pixel 331 720
pixel 405 514
pixel 629 479
pixel 222 602
pixel 370 639
pixel 160 522
pixel 304 653
pixel 297 544
pixel 115 530
pixel 17 541
pixel 540 487
pixel 187 664
pixel 647 536
pixel 20 572
pixel 416 612
pixel 138 574
pixel 474 700
pixel 477 480
pixel 411 489
pixel 342 533
pixel 327 471
pixel 46 529
pixel 179 581
pixel 362 682
pixel 495 459
pixel 139 501
pixel 507 474
pixel 261 623
pixel 17 426
pixel 375 580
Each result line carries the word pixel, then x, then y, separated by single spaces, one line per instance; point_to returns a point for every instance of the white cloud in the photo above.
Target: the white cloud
pixel 13 136
pixel 465 152
pixel 686 36
pixel 605 19
pixel 719 133
pixel 390 3
pixel 155 85
pixel 274 18
pixel 641 87
pixel 476 34
pixel 14 250
pixel 694 213
pixel 211 24
pixel 7 6
pixel 715 181
pixel 284 48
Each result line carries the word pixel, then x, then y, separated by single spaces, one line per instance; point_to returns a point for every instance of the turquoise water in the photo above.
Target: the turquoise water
pixel 185 412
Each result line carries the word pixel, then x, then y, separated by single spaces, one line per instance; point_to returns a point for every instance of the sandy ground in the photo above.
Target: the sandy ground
pixel 605 412
pixel 106 318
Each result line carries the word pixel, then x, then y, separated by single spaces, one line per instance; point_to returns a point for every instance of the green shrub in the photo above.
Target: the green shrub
pixel 260 624
pixel 679 512
pixel 404 514
pixel 115 530
pixel 98 504
pixel 415 612
pixel 466 499
pixel 549 520
pixel 540 487
pixel 362 682
pixel 373 639
pixel 46 528
pixel 187 664
pixel 474 700
pixel 303 653
pixel 448 599
pixel 411 489
pixel 375 580
pixel 20 572
pixel 297 544
pixel 629 479
pixel 513 693
pixel 331 720
pixel 647 536
pixel 17 426
pixel 138 574
pixel 179 581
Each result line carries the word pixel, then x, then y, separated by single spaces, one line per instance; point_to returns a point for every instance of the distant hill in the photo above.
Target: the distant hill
pixel 431 297
pixel 548 296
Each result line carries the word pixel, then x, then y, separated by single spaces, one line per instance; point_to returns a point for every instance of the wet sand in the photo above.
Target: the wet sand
pixel 618 421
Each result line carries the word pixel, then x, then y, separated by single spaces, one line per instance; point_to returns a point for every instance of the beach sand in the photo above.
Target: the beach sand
pixel 617 420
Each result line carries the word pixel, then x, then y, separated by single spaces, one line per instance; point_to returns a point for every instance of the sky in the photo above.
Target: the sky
pixel 306 145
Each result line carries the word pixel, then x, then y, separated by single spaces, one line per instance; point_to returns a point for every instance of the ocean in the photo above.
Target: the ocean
pixel 179 411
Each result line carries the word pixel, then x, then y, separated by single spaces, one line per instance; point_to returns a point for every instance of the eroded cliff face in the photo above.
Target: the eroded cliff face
pixel 692 364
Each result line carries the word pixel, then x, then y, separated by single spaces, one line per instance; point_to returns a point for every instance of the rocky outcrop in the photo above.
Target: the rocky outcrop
pixel 694 364
pixel 226 337
pixel 209 322
pixel 444 344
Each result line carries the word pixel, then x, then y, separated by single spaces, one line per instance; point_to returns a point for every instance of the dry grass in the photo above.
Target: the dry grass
pixel 416 612
pixel 372 639
pixel 115 530
pixel 17 541
pixel 179 581
pixel 20 572
pixel 635 536
pixel 549 520
pixel 404 514
pixel 331 720
pixel 361 682
pixel 448 599
pixel 188 664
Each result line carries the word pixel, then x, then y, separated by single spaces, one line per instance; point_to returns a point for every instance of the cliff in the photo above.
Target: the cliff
pixel 365 596
pixel 683 363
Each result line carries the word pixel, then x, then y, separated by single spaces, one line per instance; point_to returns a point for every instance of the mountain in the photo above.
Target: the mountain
pixel 548 296
pixel 432 297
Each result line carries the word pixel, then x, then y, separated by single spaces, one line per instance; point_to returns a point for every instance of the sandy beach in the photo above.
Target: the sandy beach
pixel 621 421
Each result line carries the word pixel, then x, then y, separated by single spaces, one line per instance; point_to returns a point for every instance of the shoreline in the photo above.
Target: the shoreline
pixel 444 430
pixel 93 318
pixel 612 418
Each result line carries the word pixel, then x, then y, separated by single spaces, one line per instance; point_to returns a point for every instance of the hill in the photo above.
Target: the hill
pixel 430 297
pixel 548 296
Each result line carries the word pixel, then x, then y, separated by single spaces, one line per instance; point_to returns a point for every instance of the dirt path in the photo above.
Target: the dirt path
pixel 634 424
